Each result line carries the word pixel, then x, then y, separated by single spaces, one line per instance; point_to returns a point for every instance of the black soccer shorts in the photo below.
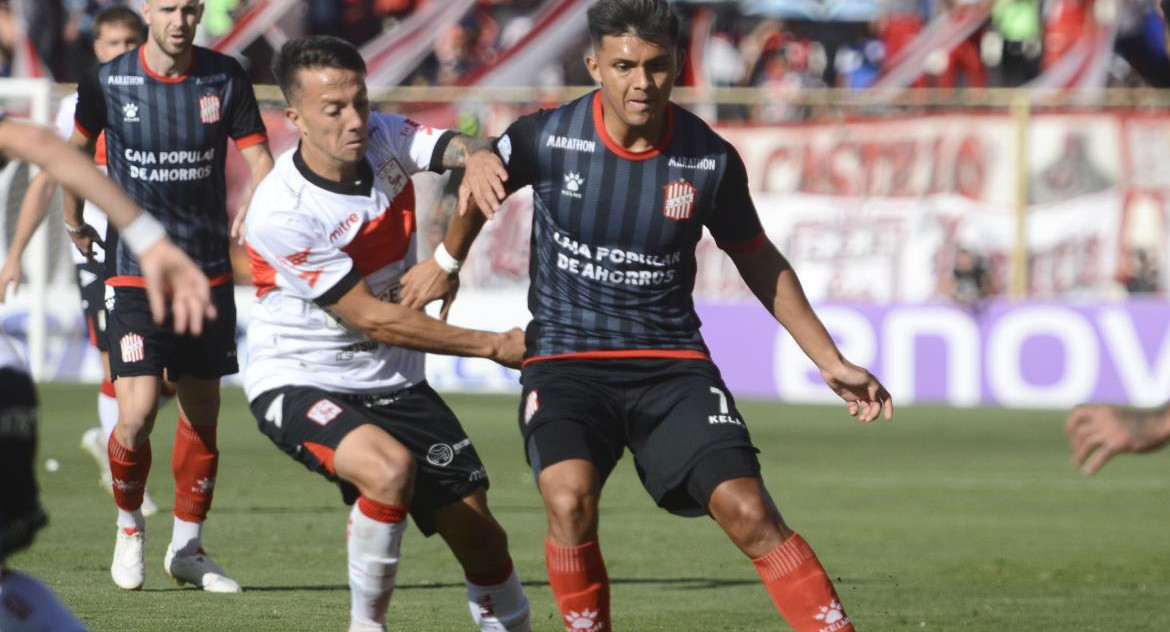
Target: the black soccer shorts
pixel 21 515
pixel 676 417
pixel 91 282
pixel 140 347
pixel 309 423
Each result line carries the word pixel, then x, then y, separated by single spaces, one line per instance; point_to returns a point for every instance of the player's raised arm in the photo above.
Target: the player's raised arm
pixel 437 278
pixel 167 270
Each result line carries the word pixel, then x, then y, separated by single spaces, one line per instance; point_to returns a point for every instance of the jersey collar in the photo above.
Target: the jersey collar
pixel 615 147
pixel 164 78
pixel 362 186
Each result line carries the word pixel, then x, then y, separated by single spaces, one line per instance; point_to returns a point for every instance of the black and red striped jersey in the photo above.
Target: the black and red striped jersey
pixel 614 233
pixel 166 144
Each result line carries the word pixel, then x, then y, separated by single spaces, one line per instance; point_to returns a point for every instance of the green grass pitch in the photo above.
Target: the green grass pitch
pixel 941 521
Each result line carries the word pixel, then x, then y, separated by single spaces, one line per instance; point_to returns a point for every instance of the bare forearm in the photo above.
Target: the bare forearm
pixel 398 326
pixel 32 212
pixel 461 147
pixel 461 232
pixel 774 282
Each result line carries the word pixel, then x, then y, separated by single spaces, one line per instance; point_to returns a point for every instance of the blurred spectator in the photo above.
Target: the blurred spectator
pixel 964 67
pixel 1072 174
pixel 969 283
pixel 1140 271
pixel 1018 24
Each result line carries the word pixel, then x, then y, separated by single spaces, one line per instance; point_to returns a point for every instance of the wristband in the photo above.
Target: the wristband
pixel 142 233
pixel 74 230
pixel 444 260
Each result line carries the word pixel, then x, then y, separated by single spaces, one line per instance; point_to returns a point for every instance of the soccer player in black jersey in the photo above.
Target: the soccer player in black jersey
pixel 167 111
pixel 623 183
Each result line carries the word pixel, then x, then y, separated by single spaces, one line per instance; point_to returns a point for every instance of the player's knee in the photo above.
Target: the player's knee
pixel 389 477
pixel 748 518
pixel 570 505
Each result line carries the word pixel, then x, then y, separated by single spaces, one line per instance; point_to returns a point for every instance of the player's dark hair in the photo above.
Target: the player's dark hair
pixel 650 20
pixel 315 51
pixel 119 14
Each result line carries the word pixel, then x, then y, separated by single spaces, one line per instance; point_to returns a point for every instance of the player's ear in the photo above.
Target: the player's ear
pixel 295 118
pixel 592 66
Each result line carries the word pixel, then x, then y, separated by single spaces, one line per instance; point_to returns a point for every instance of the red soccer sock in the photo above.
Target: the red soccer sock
pixel 194 462
pixel 129 469
pixel 801 589
pixel 580 585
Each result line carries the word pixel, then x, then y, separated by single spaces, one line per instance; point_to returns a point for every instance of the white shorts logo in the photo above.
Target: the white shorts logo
pixel 531 405
pixel 440 454
pixel 323 412
pixel 133 350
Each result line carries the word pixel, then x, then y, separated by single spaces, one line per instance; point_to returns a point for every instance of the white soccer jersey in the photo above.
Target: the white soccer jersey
pixel 92 215
pixel 310 241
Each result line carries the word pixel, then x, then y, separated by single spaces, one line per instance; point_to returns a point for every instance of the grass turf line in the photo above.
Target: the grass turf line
pixel 942 521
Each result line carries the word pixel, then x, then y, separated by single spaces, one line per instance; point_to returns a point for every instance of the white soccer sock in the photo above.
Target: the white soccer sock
pixel 187 537
pixel 500 608
pixel 374 548
pixel 32 606
pixel 107 414
pixel 131 519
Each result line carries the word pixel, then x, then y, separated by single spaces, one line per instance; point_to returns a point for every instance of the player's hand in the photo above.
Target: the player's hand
pixel 1097 432
pixel 238 224
pixel 171 274
pixel 9 275
pixel 85 240
pixel 426 282
pixel 866 396
pixel 483 181
pixel 510 348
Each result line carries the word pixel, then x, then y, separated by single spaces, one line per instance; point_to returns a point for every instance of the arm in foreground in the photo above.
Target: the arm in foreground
pixel 1097 432
pixel 400 326
pixel 430 281
pixel 772 279
pixel 168 271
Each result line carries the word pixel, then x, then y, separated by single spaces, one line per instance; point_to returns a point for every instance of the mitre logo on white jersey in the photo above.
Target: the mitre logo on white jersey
pixel 679 200
pixel 571 144
pixel 209 108
pixel 343 226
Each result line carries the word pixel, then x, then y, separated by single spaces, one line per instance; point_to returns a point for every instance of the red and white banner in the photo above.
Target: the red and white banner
pixel 394 54
pixel 555 29
pixel 259 19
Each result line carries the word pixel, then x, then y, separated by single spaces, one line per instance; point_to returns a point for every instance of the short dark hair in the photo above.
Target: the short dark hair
pixel 119 14
pixel 315 51
pixel 651 20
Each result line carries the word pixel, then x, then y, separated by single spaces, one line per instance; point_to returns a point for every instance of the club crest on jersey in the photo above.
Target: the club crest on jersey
pixel 679 201
pixel 391 172
pixel 130 112
pixel 209 108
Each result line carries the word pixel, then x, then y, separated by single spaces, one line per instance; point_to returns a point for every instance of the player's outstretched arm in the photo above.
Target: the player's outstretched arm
pixel 1097 432
pixel 83 236
pixel 437 278
pixel 774 282
pixel 33 209
pixel 166 268
pixel 483 184
pixel 394 324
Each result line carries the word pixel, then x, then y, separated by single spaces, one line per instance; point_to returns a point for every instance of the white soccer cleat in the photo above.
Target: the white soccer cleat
pixel 91 443
pixel 129 566
pixel 199 570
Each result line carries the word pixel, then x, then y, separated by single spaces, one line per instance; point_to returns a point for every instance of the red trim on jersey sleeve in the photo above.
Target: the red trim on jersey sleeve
pixel 251 140
pixel 386 239
pixel 163 78
pixel 263 275
pixel 99 152
pixel 622 152
pixel 128 280
pixel 620 354
pixel 84 132
pixel 744 247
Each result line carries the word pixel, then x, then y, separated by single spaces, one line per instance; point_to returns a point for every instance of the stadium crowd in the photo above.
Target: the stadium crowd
pixel 771 43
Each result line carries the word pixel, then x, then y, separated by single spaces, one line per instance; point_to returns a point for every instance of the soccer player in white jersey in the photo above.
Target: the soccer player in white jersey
pixel 335 373
pixel 116 30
